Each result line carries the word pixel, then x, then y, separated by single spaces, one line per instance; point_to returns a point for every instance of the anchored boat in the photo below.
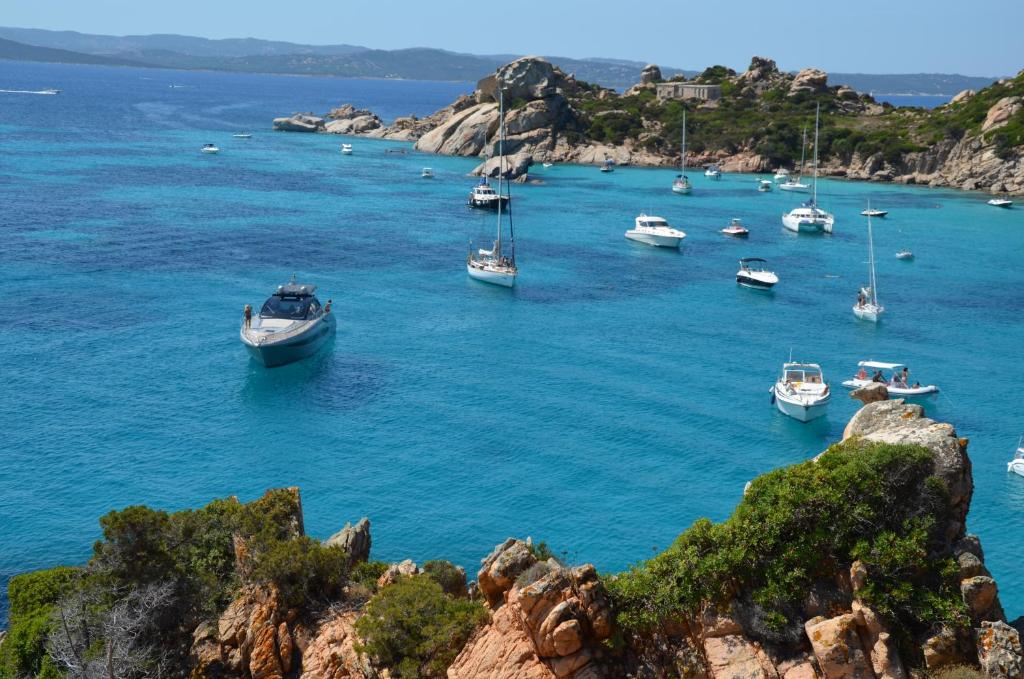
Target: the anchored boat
pixel 291 325
pixel 1016 465
pixel 801 391
pixel 871 372
pixel 868 307
pixel 809 218
pixel 655 231
pixel 681 185
pixel 752 274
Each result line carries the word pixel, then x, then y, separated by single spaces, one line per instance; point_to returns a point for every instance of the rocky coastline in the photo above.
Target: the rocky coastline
pixel 551 114
pixel 528 614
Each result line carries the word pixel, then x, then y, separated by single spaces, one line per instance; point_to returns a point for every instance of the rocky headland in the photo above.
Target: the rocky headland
pixel 975 142
pixel 854 565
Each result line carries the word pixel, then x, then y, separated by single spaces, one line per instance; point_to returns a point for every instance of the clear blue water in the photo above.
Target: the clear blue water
pixel 617 394
pixel 922 100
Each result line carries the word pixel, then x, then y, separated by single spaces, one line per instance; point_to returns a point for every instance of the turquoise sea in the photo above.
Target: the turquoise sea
pixel 618 393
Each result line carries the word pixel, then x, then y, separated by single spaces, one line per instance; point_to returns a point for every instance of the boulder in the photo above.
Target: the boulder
pixel 760 69
pixel 980 597
pixel 882 649
pixel 809 80
pixel 299 122
pixel 650 74
pixel 332 654
pixel 254 636
pixel 999 651
pixel 876 391
pixel 527 78
pixel 837 647
pixel 846 92
pixel 515 166
pixel 500 568
pixel 397 571
pixel 501 650
pixel 963 95
pixel 733 656
pixel 467 133
pixel 942 649
pixel 355 540
pixel 1001 112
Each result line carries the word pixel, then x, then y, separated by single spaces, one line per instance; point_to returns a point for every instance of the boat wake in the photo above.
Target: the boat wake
pixel 30 91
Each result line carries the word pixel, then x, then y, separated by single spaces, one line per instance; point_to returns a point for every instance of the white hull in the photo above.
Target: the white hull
pixel 802 409
pixel 654 239
pixel 1016 466
pixel 294 346
pixel 894 391
pixel 681 189
pixel 799 188
pixel 807 224
pixel 868 312
pixel 502 278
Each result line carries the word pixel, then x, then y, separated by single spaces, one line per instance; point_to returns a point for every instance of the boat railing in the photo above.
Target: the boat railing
pixel 259 338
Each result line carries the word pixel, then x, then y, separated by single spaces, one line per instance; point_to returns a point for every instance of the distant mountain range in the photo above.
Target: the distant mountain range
pixel 251 55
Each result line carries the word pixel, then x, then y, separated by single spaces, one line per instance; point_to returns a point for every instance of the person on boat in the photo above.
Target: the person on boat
pixel 247 312
pixel 862 374
pixel 327 307
pixel 905 375
pixel 893 381
pixel 877 377
pixel 917 385
pixel 860 298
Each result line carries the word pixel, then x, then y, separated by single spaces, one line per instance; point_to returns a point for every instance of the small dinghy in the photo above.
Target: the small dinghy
pixel 1016 465
pixel 609 165
pixel 346 149
pixel 873 213
pixel 905 255
pixel 427 173
pixel 549 164
pixel 764 185
pixel 736 229
pixel 897 382
pixel 754 275
pixel 242 135
pixel 209 148
pixel 712 172
pixel 1000 202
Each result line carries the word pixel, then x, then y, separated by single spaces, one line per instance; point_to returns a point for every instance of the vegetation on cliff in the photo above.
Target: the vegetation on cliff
pixel 798 526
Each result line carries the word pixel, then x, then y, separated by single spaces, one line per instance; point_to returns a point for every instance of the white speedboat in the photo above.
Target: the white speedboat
pixel 801 391
pixel 905 255
pixel 210 148
pixel 346 149
pixel 242 135
pixel 427 173
pixel 291 325
pixel 1016 465
pixel 809 218
pixel 764 185
pixel 547 165
pixel 608 166
pixel 873 213
pixel 1000 202
pixel 494 266
pixel 868 307
pixel 681 184
pixel 655 231
pixel 484 196
pixel 752 274
pixel 781 174
pixel 736 229
pixel 712 172
pixel 870 372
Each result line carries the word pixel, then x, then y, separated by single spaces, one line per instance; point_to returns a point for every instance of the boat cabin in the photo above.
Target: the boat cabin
pixel 750 263
pixel 802 372
pixel 651 222
pixel 292 302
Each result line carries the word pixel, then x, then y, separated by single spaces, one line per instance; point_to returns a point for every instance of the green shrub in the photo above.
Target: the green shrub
pixel 368 573
pixel 451 578
pixel 32 597
pixel 800 524
pixel 415 629
pixel 957 672
pixel 303 569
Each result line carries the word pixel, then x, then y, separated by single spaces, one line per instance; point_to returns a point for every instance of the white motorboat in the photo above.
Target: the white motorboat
pixel 801 391
pixel 547 165
pixel 681 184
pixel 655 231
pixel 346 149
pixel 291 325
pixel 764 185
pixel 752 274
pixel 242 135
pixel 427 173
pixel 867 307
pixel 873 213
pixel 712 172
pixel 484 196
pixel 493 266
pixel 1016 465
pixel 781 174
pixel 809 218
pixel 905 255
pixel 736 229
pixel 210 148
pixel 608 166
pixel 870 372
pixel 797 184
pixel 1000 202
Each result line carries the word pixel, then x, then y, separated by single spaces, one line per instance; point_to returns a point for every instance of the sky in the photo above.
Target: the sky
pixel 867 36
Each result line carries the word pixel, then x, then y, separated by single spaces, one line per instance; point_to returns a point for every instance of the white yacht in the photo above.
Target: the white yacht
pixel 809 218
pixel 752 274
pixel 346 149
pixel 764 185
pixel 797 184
pixel 873 213
pixel 681 185
pixel 242 135
pixel 1016 465
pixel 905 255
pixel 655 231
pixel 427 173
pixel 801 391
pixel 867 307
pixel 210 148
pixel 608 166
pixel 1000 202
pixel 870 372
pixel 484 196
pixel 547 165
pixel 291 325
pixel 736 229
pixel 712 172
pixel 493 266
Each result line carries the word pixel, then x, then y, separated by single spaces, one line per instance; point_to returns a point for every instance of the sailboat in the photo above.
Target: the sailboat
pixel 809 218
pixel 682 184
pixel 867 307
pixel 795 184
pixel 492 266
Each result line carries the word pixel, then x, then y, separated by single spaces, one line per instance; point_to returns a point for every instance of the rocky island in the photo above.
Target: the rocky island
pixel 853 565
pixel 745 122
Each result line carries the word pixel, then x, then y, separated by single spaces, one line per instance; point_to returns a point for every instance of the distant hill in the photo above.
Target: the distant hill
pixel 17 51
pixel 251 55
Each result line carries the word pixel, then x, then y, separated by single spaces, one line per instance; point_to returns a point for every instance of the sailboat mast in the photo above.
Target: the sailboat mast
pixel 682 166
pixel 501 163
pixel 814 196
pixel 803 155
pixel 871 262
